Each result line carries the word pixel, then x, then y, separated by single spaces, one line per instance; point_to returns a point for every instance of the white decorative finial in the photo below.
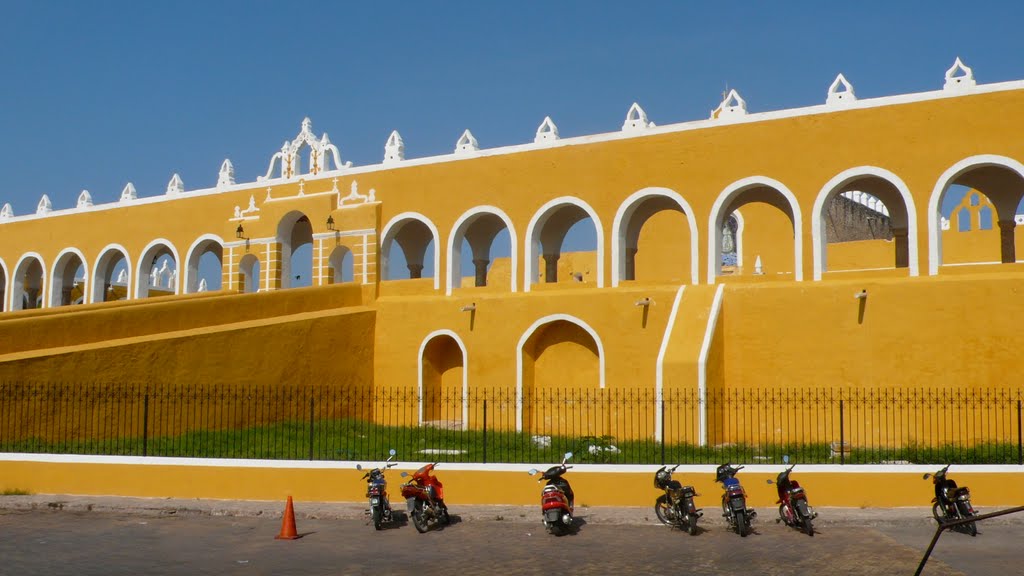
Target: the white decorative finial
pixel 964 80
pixel 129 193
pixel 7 211
pixel 758 269
pixel 44 205
pixel 84 199
pixel 394 149
pixel 840 92
pixel 546 132
pixel 732 105
pixel 226 176
pixel 122 277
pixel 202 285
pixel 307 124
pixel 636 119
pixel 466 143
pixel 175 186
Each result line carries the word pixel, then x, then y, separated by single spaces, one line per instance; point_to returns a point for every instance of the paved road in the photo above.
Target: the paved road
pixel 83 543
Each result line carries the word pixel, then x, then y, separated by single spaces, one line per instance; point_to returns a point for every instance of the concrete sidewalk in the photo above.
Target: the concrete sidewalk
pixel 355 510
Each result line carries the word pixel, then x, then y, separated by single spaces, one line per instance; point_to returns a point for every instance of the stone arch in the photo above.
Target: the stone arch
pixel 755 189
pixel 341 264
pixel 103 269
pixel 479 225
pixel 207 243
pixel 629 220
pixel 442 356
pixel 149 256
pixel 294 231
pixel 249 274
pixel 62 278
pixel 413 232
pixel 28 283
pixel 4 290
pixel 521 350
pixel 542 231
pixel 893 193
pixel 990 174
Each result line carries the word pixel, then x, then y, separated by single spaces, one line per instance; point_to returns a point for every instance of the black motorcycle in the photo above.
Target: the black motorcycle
pixel 377 492
pixel 675 507
pixel 952 502
pixel 734 500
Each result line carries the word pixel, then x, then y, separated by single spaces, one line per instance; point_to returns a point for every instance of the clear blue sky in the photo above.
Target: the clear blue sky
pixel 96 94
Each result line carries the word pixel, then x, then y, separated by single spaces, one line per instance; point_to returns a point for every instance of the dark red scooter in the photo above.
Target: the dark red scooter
pixel 793 507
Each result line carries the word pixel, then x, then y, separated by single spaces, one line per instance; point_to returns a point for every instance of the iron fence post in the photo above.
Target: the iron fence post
pixel 145 424
pixel 842 435
pixel 310 427
pixel 1020 447
pixel 485 431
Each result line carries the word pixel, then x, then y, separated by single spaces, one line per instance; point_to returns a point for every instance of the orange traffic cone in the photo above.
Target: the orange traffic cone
pixel 288 531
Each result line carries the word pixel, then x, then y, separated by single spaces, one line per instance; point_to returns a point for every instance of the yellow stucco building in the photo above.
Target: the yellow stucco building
pixel 710 265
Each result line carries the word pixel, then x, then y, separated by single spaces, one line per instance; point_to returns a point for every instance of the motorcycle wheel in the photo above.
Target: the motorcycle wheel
pixel 664 510
pixel 377 517
pixel 809 526
pixel 970 527
pixel 782 515
pixel 741 525
pixel 938 513
pixel 692 525
pixel 419 520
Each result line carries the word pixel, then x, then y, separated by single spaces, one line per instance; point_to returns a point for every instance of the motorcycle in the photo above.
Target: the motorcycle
pixel 734 500
pixel 675 507
pixel 793 507
pixel 952 502
pixel 556 500
pixel 377 492
pixel 424 496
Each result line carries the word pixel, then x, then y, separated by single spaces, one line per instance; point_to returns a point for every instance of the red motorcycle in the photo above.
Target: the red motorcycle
pixel 556 500
pixel 424 495
pixel 793 507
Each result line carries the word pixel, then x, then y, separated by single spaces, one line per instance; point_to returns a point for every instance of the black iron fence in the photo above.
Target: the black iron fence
pixel 618 425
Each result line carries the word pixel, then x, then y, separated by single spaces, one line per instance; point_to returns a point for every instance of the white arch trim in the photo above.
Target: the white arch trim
pixel 14 280
pixel 819 240
pixel 619 231
pixel 519 356
pixel 53 301
pixel 951 174
pixel 186 271
pixel 382 263
pixel 715 223
pixel 454 275
pixel 465 373
pixel 6 286
pixel 141 274
pixel 532 244
pixel 96 267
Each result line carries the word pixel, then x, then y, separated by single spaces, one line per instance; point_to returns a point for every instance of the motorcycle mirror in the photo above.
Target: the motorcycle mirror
pixel 770 481
pixel 926 475
pixel 568 455
pixel 404 474
pixel 392 452
pixel 359 467
pixel 785 459
pixel 532 471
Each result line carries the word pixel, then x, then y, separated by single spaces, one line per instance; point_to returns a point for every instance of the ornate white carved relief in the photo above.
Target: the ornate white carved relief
pixel 321 154
pixel 226 176
pixel 394 149
pixel 546 132
pixel 44 206
pixel 175 186
pixel 840 92
pixel 733 105
pixel 959 76
pixel 636 119
pixel 84 199
pixel 354 197
pixel 7 211
pixel 202 285
pixel 129 193
pixel 467 143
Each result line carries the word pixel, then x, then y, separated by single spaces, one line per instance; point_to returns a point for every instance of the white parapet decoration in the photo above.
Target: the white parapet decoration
pixel 866 200
pixel 84 199
pixel 840 92
pixel 321 153
pixel 636 119
pixel 7 211
pixel 732 106
pixel 129 194
pixel 175 186
pixel 122 277
pixel 202 285
pixel 394 148
pixel 226 176
pixel 467 143
pixel 959 77
pixel 44 206
pixel 546 132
